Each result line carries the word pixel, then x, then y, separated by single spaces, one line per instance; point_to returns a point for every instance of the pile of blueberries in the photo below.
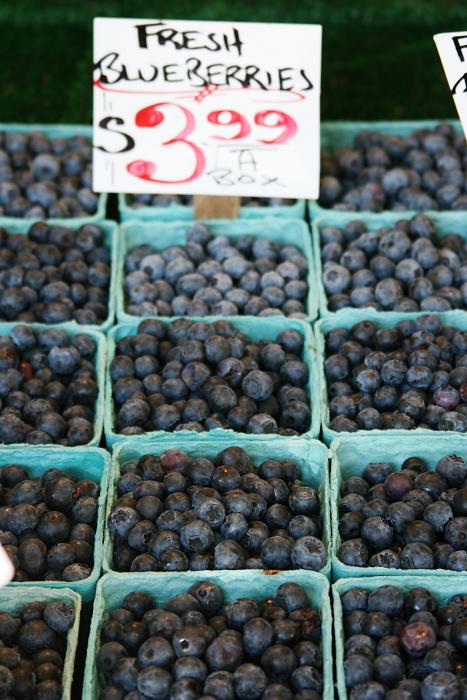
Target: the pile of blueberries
pixel 216 275
pixel 48 387
pixel 423 170
pixel 176 512
pixel 403 267
pixel 33 649
pixel 54 274
pixel 190 375
pixel 43 177
pixel 136 201
pixel 408 519
pixel 47 524
pixel 410 375
pixel 401 646
pixel 199 646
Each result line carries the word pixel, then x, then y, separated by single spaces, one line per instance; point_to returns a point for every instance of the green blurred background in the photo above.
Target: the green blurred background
pixel 379 58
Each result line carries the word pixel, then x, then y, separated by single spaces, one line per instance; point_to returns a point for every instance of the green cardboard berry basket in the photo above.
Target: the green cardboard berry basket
pixel 13 599
pixel 441 589
pixel 111 241
pixel 185 212
pixel 256 329
pixel 456 319
pixel 342 133
pixel 112 588
pixel 161 235
pixel 58 131
pixel 99 363
pixel 446 222
pixel 311 455
pixel 349 457
pixel 85 463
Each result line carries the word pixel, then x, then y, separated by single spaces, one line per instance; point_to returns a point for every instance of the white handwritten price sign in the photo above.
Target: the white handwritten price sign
pixel 206 107
pixel 452 48
pixel 6 568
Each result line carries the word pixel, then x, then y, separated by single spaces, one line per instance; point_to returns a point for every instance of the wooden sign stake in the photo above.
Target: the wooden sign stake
pixel 216 207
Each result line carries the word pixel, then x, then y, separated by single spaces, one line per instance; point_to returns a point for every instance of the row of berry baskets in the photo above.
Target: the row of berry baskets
pixel 362 136
pixel 318 282
pixel 325 637
pixel 349 458
pixel 318 378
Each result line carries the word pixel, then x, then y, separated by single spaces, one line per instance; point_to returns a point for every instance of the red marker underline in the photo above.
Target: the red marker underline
pixel 192 93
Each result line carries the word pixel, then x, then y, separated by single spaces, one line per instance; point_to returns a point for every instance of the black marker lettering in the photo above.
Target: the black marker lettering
pixel 246 158
pixel 105 124
pixel 236 43
pixel 269 180
pixel 189 38
pixel 458 46
pixel 231 74
pixel 155 72
pixel 283 78
pixel 221 176
pixel 212 71
pixel 143 33
pixel 246 179
pixel 192 67
pixel 107 63
pixel 462 79
pixel 167 36
pixel 169 71
pixel 308 83
pixel 250 76
pixel 215 43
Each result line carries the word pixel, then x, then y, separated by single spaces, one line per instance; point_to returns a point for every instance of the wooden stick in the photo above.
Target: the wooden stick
pixel 216 207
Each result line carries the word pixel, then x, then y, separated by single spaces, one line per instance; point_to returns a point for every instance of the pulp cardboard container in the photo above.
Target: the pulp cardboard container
pixel 457 319
pixel 342 133
pixel 85 463
pixel 161 235
pixel 13 599
pixel 446 222
pixel 112 589
pixel 256 329
pixel 311 456
pixel 111 239
pixel 185 212
pixel 441 589
pixel 99 363
pixel 58 131
pixel 349 457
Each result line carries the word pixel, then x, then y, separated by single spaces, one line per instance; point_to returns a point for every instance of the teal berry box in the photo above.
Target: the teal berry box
pixel 311 455
pixel 112 588
pixel 160 235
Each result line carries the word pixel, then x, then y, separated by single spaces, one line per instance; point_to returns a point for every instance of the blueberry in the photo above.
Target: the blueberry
pixel 249 681
pixel 308 553
pixel 154 682
pixel 59 616
pixel 279 662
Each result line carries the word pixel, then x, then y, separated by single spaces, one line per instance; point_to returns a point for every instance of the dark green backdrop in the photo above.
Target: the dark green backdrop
pixel 379 58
